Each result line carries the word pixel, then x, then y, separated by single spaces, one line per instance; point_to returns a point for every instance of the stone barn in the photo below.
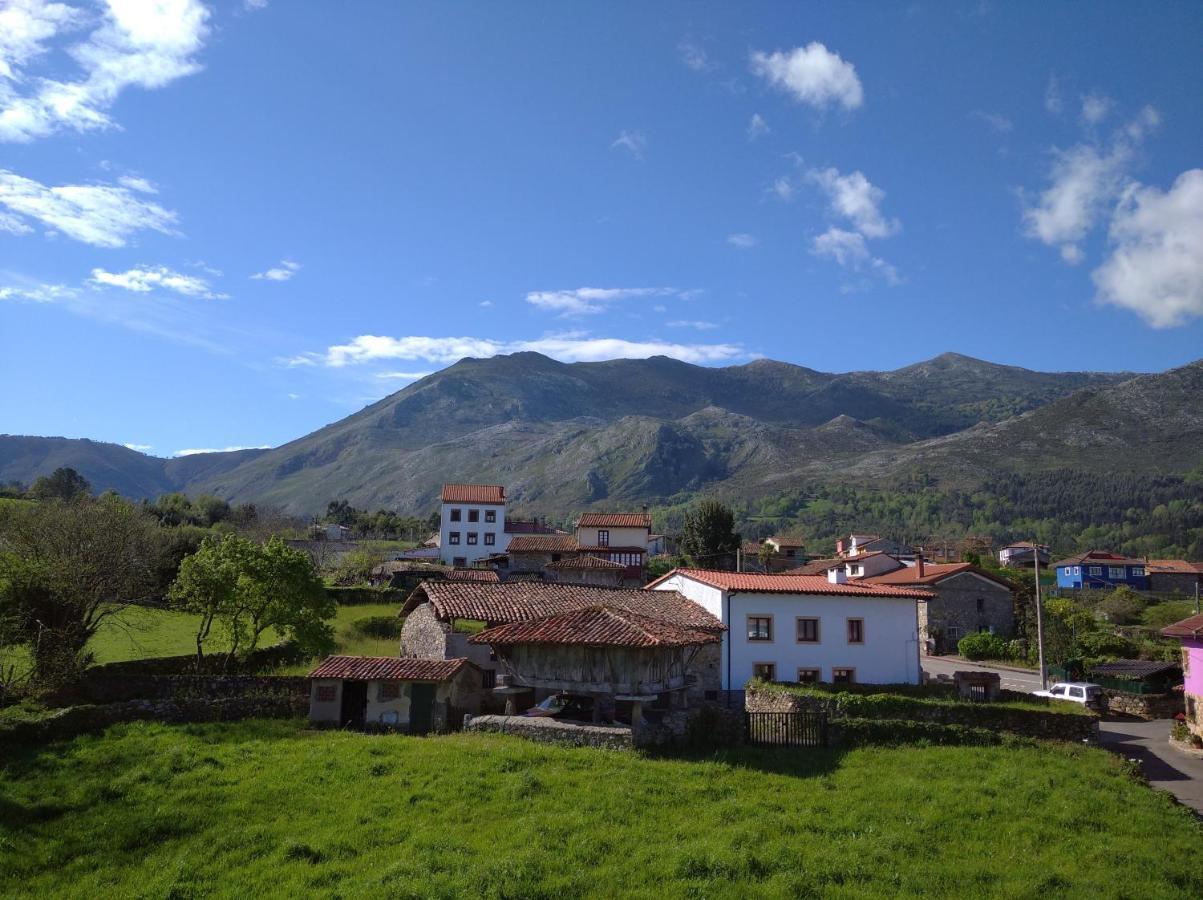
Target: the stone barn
pixel 416 695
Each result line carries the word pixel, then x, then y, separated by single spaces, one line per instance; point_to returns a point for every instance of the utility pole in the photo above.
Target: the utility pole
pixel 1039 617
pixel 1197 594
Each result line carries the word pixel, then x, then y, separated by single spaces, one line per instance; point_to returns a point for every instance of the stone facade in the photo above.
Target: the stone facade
pixel 964 603
pixel 425 636
pixel 597 577
pixel 1143 706
pixel 552 731
pixel 98 687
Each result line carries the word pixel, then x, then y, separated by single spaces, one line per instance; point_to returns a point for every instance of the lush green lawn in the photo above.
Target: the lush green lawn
pixel 351 640
pixel 268 808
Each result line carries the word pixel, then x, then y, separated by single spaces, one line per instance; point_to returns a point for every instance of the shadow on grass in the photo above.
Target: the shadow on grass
pixel 798 762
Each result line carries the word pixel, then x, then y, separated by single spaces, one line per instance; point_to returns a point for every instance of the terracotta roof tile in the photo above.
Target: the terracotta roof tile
pixel 599 626
pixel 542 543
pixel 933 573
pixel 520 601
pixel 1173 567
pixel 585 562
pixel 615 520
pixel 1098 558
pixel 462 574
pixel 753 582
pixel 783 541
pixel 474 493
pixel 1187 628
pixel 388 668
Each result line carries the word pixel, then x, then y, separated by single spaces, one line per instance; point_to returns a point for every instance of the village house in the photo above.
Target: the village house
pixel 965 599
pixel 1175 576
pixel 861 566
pixel 1023 554
pixel 535 552
pixel 786 552
pixel 415 695
pixel 589 570
pixel 1190 633
pixel 440 617
pixel 471 522
pixel 858 544
pixel 1101 569
pixel 807 628
pixel 619 537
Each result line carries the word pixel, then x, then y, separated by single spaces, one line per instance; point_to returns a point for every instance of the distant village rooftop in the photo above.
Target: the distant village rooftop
pixel 388 668
pixel 615 520
pixel 757 583
pixel 599 626
pixel 493 494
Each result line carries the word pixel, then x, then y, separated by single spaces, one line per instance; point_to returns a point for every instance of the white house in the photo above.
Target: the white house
pixel 619 537
pixel 807 627
pixel 471 523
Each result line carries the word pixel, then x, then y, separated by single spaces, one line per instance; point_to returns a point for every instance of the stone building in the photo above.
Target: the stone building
pixel 1175 576
pixel 966 600
pixel 588 570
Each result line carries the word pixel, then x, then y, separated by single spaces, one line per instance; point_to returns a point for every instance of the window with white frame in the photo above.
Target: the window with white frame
pixel 490 539
pixel 473 537
pixel 843 676
pixel 603 537
pixel 809 676
pixel 490 516
pixel 1115 573
pixel 452 537
pixel 1096 571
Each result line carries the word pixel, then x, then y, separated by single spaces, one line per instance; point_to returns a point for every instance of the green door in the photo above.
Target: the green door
pixel 421 707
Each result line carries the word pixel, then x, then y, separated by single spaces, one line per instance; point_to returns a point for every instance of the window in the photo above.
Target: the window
pixel 981 604
pixel 490 539
pixel 1077 692
pixel 603 537
pixel 854 570
pixel 760 628
pixel 953 632
pixel 1138 571
pixel 455 514
pixel 326 693
pixel 1115 572
pixel 809 676
pixel 1077 570
pixel 459 561
pixel 808 632
pixel 488 678
pixel 490 516
pixel 473 538
pixel 856 631
pixel 452 537
pixel 843 676
pixel 1096 570
pixel 764 671
pixel 389 690
pixel 474 515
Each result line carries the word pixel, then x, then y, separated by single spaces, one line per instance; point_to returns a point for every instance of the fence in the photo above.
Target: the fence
pixel 803 728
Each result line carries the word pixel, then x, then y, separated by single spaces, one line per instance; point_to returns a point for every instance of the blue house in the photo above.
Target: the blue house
pixel 1100 569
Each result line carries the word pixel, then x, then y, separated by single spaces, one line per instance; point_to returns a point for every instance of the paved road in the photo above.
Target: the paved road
pixel 1165 767
pixel 1011 680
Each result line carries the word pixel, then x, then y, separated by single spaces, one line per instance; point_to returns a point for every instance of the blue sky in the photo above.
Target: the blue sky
pixel 228 224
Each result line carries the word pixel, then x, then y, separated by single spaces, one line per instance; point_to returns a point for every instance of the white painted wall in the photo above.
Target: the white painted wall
pixel 448 552
pixel 619 537
pixel 888 655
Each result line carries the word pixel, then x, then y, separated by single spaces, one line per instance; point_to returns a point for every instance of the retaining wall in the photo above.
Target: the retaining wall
pixel 550 731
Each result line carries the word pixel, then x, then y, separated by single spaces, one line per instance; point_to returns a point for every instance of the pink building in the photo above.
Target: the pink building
pixel 1190 632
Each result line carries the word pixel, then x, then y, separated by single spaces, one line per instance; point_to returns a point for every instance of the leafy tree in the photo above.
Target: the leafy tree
pixel 207 584
pixel 765 554
pixel 65 567
pixel 1123 606
pixel 63 484
pixel 1104 646
pixel 708 537
pixel 355 567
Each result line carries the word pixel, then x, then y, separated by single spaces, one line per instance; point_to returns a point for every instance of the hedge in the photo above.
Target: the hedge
pixel 360 596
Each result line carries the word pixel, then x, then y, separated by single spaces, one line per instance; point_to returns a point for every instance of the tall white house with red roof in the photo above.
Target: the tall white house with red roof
pixel 807 628
pixel 471 523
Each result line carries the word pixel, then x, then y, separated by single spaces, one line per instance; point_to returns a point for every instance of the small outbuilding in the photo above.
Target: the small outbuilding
pixel 415 695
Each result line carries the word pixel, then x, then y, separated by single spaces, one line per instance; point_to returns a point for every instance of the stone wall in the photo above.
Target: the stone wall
pixel 956 605
pixel 596 577
pixel 262 658
pixel 551 731
pixel 108 688
pixel 423 636
pixel 1144 706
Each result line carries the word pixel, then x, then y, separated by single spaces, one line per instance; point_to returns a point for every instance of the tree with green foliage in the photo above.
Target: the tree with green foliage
pixel 1122 606
pixel 708 536
pixel 63 484
pixel 246 588
pixel 66 567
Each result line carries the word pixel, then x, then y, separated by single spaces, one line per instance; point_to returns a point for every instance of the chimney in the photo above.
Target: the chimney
pixel 837 575
pixel 919 563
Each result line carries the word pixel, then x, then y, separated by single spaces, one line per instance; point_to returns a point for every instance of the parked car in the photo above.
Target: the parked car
pixel 563 706
pixel 1076 692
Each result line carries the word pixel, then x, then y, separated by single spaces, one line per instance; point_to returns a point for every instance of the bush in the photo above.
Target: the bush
pixel 1159 615
pixel 1103 646
pixel 982 645
pixel 1123 606
pixel 379 627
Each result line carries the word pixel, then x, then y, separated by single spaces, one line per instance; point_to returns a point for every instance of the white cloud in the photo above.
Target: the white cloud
pixel 757 127
pixel 848 249
pixel 284 271
pixel 783 187
pixel 136 44
pixel 100 214
pixel 38 293
pixel 192 451
pixel 1085 180
pixel 141 448
pixel 696 324
pixel 144 279
pixel 812 74
pixel 252 5
pixel 25 27
pixel 997 122
pixel 403 376
pixel 1156 264
pixel 588 300
pixel 854 198
pixel 742 241
pixel 1095 108
pixel 694 56
pixel 368 348
pixel 137 184
pixel 634 142
pixel 485 303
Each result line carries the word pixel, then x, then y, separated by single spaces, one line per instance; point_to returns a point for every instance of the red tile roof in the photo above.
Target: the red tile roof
pixel 473 575
pixel 598 626
pixel 388 668
pixel 1187 628
pixel 1101 557
pixel 520 601
pixel 782 541
pixel 933 573
pixel 615 520
pixel 753 582
pixel 585 562
pixel 1173 567
pixel 820 566
pixel 474 493
pixel 542 543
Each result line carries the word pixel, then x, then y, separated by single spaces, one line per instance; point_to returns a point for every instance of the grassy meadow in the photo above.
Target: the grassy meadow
pixel 273 809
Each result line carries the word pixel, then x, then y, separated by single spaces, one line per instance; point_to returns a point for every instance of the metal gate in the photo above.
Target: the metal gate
pixel 786 729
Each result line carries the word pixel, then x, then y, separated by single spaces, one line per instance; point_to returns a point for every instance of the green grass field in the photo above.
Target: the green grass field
pixel 272 809
pixel 350 640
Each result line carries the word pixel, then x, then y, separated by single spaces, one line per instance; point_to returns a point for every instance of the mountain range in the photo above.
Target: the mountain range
pixel 568 436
